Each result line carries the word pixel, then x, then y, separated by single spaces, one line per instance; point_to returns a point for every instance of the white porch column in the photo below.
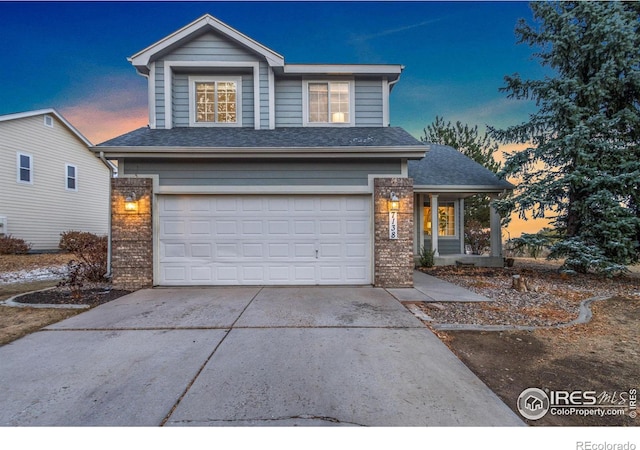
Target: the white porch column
pixel 496 232
pixel 435 224
pixel 461 226
pixel 420 221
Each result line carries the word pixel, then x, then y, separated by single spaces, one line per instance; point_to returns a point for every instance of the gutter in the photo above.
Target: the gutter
pixel 111 175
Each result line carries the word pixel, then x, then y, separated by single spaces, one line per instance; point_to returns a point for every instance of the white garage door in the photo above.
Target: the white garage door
pixel 264 240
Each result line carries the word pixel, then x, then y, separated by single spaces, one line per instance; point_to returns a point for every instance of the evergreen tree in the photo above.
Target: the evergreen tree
pixel 583 164
pixel 478 147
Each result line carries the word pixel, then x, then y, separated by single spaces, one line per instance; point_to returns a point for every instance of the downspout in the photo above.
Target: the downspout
pixel 390 85
pixel 111 175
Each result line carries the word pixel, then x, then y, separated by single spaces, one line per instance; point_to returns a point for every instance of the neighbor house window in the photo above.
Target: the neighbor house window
pixel 25 168
pixel 71 177
pixel 446 219
pixel 48 121
pixel 214 101
pixel 329 102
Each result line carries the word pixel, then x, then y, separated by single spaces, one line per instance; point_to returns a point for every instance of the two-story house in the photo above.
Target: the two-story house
pixel 256 171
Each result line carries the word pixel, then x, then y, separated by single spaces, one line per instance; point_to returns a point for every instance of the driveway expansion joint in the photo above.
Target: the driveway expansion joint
pixel 270 419
pixel 193 380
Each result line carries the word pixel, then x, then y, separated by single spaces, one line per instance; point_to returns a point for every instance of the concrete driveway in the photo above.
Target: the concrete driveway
pixel 243 356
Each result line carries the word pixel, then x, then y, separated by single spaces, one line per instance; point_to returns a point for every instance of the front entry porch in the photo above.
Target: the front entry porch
pixel 444 212
pixel 442 180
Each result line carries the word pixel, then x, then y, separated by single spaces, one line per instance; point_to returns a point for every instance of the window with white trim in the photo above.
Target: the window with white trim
pixel 25 168
pixel 71 177
pixel 48 121
pixel 446 219
pixel 215 101
pixel 329 102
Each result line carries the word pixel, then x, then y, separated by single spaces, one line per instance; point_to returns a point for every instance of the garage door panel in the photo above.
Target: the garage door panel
pixel 225 240
pixel 201 250
pixel 227 250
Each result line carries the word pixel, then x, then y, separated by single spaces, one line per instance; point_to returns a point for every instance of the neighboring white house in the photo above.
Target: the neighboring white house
pixel 49 179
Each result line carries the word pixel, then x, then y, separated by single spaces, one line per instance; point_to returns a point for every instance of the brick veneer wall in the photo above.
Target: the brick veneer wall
pixel 131 234
pixel 393 259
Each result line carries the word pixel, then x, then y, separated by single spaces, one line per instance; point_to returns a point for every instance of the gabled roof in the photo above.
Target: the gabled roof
pixel 445 169
pixel 367 142
pixel 142 59
pixel 49 111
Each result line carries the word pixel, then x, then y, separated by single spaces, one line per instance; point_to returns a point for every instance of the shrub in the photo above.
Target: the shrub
pixel 13 246
pixel 476 236
pixel 90 263
pixel 426 257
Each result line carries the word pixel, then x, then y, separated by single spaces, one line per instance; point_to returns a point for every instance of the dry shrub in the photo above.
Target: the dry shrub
pixel 13 246
pixel 90 262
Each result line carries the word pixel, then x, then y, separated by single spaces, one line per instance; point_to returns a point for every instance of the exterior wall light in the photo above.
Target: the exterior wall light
pixel 394 202
pixel 131 203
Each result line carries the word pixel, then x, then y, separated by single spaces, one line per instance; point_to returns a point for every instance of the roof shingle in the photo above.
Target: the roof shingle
pixel 291 137
pixel 446 166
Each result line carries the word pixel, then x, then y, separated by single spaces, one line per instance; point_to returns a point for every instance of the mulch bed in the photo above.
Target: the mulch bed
pixel 58 296
pixel 553 299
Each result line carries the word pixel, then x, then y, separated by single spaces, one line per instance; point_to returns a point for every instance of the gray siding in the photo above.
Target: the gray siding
pixel 261 173
pixel 368 102
pixel 264 95
pixel 209 47
pixel 288 102
pixel 159 94
pixel 368 98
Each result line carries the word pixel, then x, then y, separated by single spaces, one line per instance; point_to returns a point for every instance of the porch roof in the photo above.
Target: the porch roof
pixel 445 169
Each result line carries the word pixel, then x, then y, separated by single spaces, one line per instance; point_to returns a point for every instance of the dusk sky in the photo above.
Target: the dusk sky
pixel 72 56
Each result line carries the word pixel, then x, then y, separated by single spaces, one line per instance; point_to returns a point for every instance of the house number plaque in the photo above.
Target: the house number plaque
pixel 393 224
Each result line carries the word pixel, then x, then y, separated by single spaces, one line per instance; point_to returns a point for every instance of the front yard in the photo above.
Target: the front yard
pixel 601 355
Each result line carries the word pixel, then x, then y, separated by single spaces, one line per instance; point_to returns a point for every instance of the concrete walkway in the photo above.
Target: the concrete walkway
pixel 431 289
pixel 243 356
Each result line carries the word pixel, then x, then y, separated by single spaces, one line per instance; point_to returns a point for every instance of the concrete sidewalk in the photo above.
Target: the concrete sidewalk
pixel 431 289
pixel 243 356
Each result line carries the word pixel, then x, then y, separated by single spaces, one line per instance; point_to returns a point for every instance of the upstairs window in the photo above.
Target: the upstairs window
pixel 329 102
pixel 71 177
pixel 25 168
pixel 214 101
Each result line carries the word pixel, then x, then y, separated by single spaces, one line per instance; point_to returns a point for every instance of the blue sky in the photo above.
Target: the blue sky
pixel 72 55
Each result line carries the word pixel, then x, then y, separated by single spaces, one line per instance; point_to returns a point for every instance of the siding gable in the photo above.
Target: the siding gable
pixel 211 46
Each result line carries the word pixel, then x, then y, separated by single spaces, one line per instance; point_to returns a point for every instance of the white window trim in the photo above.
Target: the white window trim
pixel 48 121
pixel 66 177
pixel 456 217
pixel 18 155
pixel 168 83
pixel 192 100
pixel 305 103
